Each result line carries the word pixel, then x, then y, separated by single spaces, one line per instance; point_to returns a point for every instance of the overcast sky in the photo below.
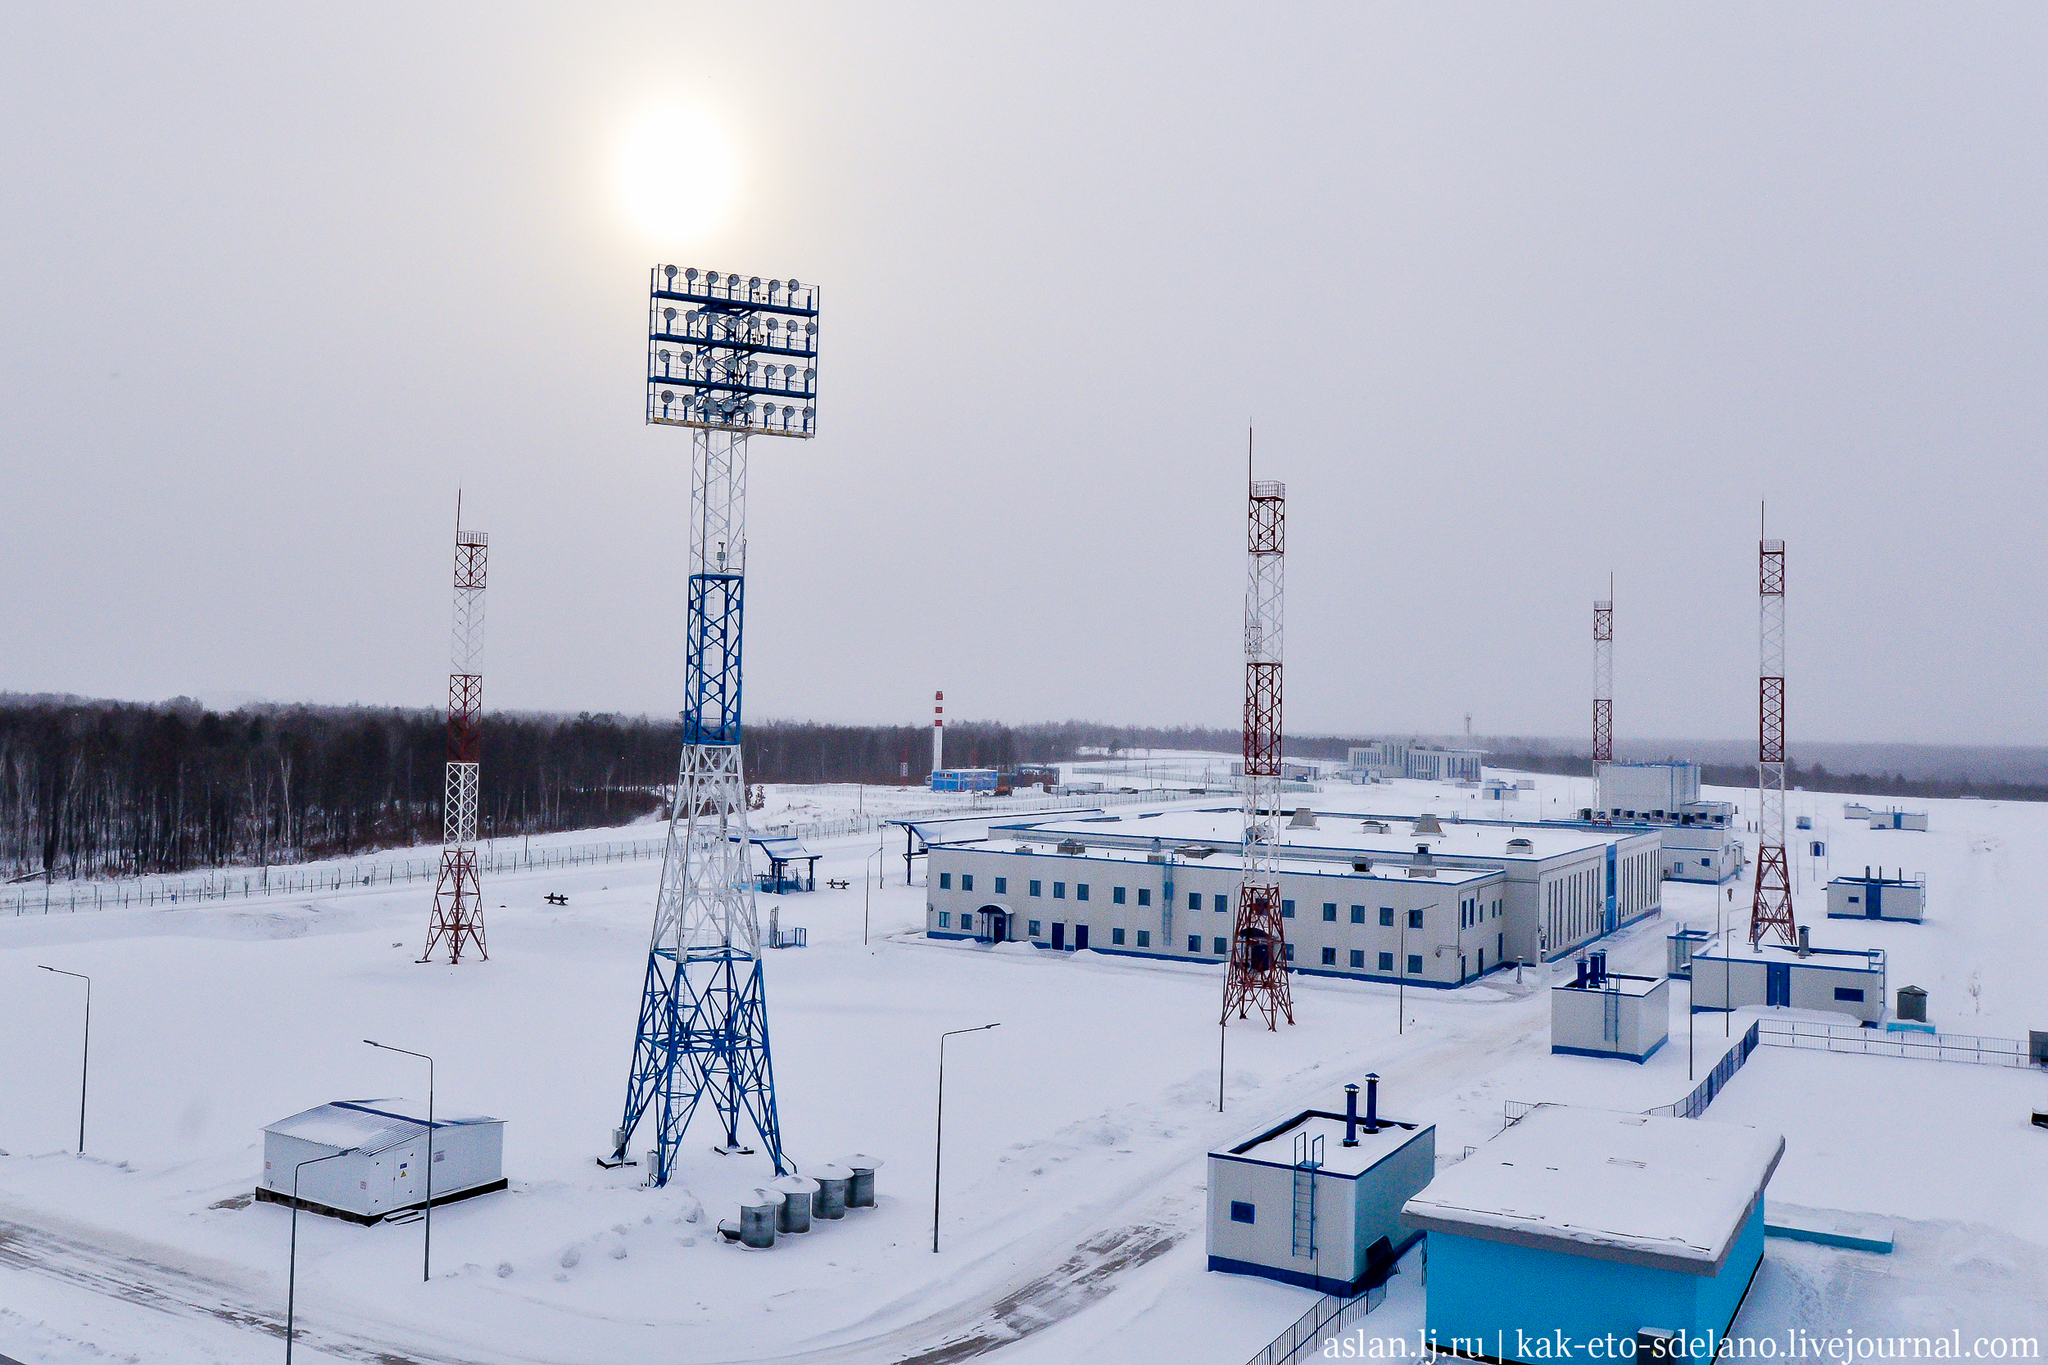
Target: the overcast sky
pixel 1517 296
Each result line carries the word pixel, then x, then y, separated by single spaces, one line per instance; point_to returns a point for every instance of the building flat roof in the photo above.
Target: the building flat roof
pixel 372 1125
pixel 1393 871
pixel 1663 1192
pixel 1626 985
pixel 1336 835
pixel 1277 1147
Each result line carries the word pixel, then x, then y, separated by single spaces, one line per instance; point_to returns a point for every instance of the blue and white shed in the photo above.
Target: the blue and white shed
pixel 1579 1226
pixel 379 1151
pixel 1300 1205
pixel 1837 980
pixel 1878 897
pixel 1898 819
pixel 1609 1014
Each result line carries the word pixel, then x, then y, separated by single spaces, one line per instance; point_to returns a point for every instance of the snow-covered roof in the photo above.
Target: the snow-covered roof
pixel 1664 1192
pixel 1394 870
pixel 782 847
pixel 1277 1147
pixel 371 1125
pixel 1336 836
pixel 1616 982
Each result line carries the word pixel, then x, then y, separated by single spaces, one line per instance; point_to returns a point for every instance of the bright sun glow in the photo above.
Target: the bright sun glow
pixel 676 174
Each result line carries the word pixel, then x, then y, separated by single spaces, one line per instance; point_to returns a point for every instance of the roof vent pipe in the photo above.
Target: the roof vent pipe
pixel 1350 1116
pixel 1372 1101
pixel 1804 946
pixel 1583 966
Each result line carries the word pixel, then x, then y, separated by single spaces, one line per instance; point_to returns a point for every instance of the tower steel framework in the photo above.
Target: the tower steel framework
pixel 1603 681
pixel 458 921
pixel 729 358
pixel 1258 948
pixel 1772 907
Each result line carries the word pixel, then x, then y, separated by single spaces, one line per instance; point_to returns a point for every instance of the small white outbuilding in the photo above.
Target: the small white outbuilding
pixel 378 1151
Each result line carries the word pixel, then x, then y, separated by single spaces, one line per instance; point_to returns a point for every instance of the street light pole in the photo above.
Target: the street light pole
pixel 867 892
pixel 939 1142
pixel 291 1292
pixel 427 1253
pixel 85 1062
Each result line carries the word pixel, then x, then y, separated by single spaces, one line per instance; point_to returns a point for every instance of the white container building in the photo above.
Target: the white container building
pixel 384 1169
pixel 1295 1204
pixel 1876 896
pixel 1898 819
pixel 1609 1014
pixel 1833 980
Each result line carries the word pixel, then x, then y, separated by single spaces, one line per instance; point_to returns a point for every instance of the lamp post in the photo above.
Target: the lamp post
pixel 939 1142
pixel 867 891
pixel 85 1061
pixel 291 1292
pixel 427 1252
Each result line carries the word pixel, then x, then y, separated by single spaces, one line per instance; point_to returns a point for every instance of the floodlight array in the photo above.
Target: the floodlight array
pixel 732 354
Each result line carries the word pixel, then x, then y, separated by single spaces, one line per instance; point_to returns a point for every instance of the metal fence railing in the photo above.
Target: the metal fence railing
pixel 1328 1318
pixel 1934 1047
pixel 1695 1104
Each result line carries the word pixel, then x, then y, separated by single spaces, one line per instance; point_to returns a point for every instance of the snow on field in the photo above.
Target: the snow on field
pixel 1072 1216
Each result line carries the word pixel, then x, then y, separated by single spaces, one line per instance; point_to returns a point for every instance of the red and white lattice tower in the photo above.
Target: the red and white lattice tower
pixel 1603 682
pixel 1772 908
pixel 938 730
pixel 458 905
pixel 1258 948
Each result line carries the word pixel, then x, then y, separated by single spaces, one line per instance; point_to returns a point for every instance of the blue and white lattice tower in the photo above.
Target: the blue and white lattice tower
pixel 729 358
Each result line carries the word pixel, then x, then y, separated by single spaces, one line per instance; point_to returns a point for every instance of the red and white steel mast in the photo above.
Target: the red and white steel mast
pixel 458 905
pixel 1772 908
pixel 938 730
pixel 1258 949
pixel 1603 682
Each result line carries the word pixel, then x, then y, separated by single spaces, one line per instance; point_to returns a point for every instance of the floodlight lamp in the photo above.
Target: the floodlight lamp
pixel 667 396
pixel 754 283
pixel 668 315
pixel 670 271
pixel 691 273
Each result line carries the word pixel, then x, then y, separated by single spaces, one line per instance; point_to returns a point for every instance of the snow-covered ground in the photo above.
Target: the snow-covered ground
pixel 1071 1221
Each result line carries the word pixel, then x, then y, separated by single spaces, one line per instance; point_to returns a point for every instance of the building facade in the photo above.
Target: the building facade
pixel 1834 980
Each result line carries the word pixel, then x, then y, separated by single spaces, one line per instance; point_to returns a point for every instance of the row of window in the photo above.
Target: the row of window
pixel 1036 929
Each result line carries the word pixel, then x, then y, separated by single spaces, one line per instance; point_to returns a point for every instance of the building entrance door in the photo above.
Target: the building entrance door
pixel 1080 937
pixel 1873 901
pixel 998 924
pixel 1777 983
pixel 1059 934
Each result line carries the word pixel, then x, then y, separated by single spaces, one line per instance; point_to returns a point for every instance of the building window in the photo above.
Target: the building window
pixel 1194 900
pixel 1144 938
pixel 1414 919
pixel 966 881
pixel 1221 947
pixel 1144 895
pixel 1387 915
pixel 1116 936
pixel 1059 891
pixel 1329 912
pixel 1116 895
pixel 1287 952
pixel 1386 959
pixel 1080 891
pixel 1034 886
pixel 1222 904
pixel 1241 1212
pixel 1329 956
pixel 1415 964
pixel 1358 957
pixel 1036 930
pixel 945 920
pixel 1849 993
pixel 1194 943
pixel 1286 909
pixel 945 881
pixel 1002 885
pixel 1358 914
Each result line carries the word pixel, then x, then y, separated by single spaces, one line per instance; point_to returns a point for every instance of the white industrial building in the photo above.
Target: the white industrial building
pixel 1609 1014
pixel 1317 1201
pixel 1877 896
pixel 1413 899
pixel 1898 819
pixel 384 1169
pixel 1386 759
pixel 1833 980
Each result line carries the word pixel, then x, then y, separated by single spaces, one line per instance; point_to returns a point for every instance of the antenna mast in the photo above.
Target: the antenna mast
pixel 1772 908
pixel 1603 681
pixel 1258 949
pixel 458 898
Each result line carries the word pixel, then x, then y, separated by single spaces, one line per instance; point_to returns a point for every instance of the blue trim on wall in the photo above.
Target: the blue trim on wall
pixel 1212 959
pixel 1322 1284
pixel 1889 919
pixel 1624 1056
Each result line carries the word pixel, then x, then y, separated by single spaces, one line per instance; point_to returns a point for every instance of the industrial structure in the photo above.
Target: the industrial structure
pixel 1603 679
pixel 1575 1229
pixel 1383 760
pixel 938 731
pixel 1698 836
pixel 728 358
pixel 370 1159
pixel 1317 1200
pixel 1838 980
pixel 1420 901
pixel 458 920
pixel 1257 977
pixel 1876 896
pixel 1771 907
pixel 1609 1014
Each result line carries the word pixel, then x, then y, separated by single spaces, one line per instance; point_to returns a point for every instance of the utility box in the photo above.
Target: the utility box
pixel 377 1164
pixel 1838 980
pixel 1876 896
pixel 1607 1014
pixel 1912 1005
pixel 2037 1046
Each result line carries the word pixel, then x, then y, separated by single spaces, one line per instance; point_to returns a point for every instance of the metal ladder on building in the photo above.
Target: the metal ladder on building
pixel 1308 1156
pixel 1610 1020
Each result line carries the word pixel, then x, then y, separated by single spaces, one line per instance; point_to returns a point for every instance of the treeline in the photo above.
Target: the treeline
pixel 1815 777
